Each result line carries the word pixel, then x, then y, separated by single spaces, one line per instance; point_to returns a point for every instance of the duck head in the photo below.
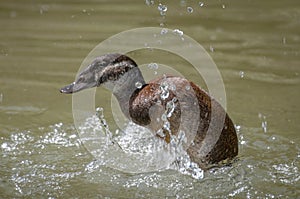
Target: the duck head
pixel 106 70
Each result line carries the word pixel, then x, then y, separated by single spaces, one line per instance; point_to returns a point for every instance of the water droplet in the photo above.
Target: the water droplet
pixel 162 9
pixel 153 66
pixel 273 138
pixel 149 2
pixel 164 117
pixel 238 127
pixel 242 74
pixel 201 4
pixel 170 107
pixel 223 6
pixel 264 126
pixel 99 112
pixel 158 102
pixel 172 87
pixel 43 9
pixel 160 133
pixel 284 40
pixel 84 10
pixel 164 31
pixel 178 32
pixel 1 97
pixel 263 122
pixel 181 136
pixel 4 145
pixel 138 85
pixel 167 126
pixel 165 95
pixel 190 9
pixel 104 125
pixel 211 49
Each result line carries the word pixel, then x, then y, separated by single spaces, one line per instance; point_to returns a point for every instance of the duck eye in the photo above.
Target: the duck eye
pixel 81 79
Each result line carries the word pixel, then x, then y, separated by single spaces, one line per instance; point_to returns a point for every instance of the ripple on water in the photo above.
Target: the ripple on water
pixel 24 110
pixel 52 162
pixel 35 162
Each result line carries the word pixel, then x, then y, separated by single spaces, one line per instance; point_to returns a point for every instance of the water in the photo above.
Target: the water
pixel 43 44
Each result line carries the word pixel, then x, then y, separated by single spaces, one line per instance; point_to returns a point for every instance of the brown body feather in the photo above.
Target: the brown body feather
pixel 146 107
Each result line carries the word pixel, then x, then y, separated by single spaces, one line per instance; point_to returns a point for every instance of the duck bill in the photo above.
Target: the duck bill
pixel 73 88
pixel 76 87
pixel 69 89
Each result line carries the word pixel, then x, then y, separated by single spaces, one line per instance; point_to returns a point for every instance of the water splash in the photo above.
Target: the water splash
pixel 160 133
pixel 237 128
pixel 164 31
pixel 104 126
pixel 183 163
pixel 164 87
pixel 47 161
pixel 44 9
pixel 170 107
pixel 162 9
pixel 178 32
pixel 187 167
pixel 140 142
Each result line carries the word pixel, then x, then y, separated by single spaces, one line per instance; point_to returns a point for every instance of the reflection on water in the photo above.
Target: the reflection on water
pixel 254 43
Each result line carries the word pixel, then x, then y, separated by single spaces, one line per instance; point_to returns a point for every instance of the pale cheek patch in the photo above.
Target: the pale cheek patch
pixel 96 77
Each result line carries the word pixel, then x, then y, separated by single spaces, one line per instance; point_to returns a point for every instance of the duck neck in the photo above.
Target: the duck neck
pixel 125 87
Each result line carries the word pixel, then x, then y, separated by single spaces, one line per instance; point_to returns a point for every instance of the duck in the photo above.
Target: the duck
pixel 169 106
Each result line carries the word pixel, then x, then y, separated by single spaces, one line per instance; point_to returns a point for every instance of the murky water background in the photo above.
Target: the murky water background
pixel 255 44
